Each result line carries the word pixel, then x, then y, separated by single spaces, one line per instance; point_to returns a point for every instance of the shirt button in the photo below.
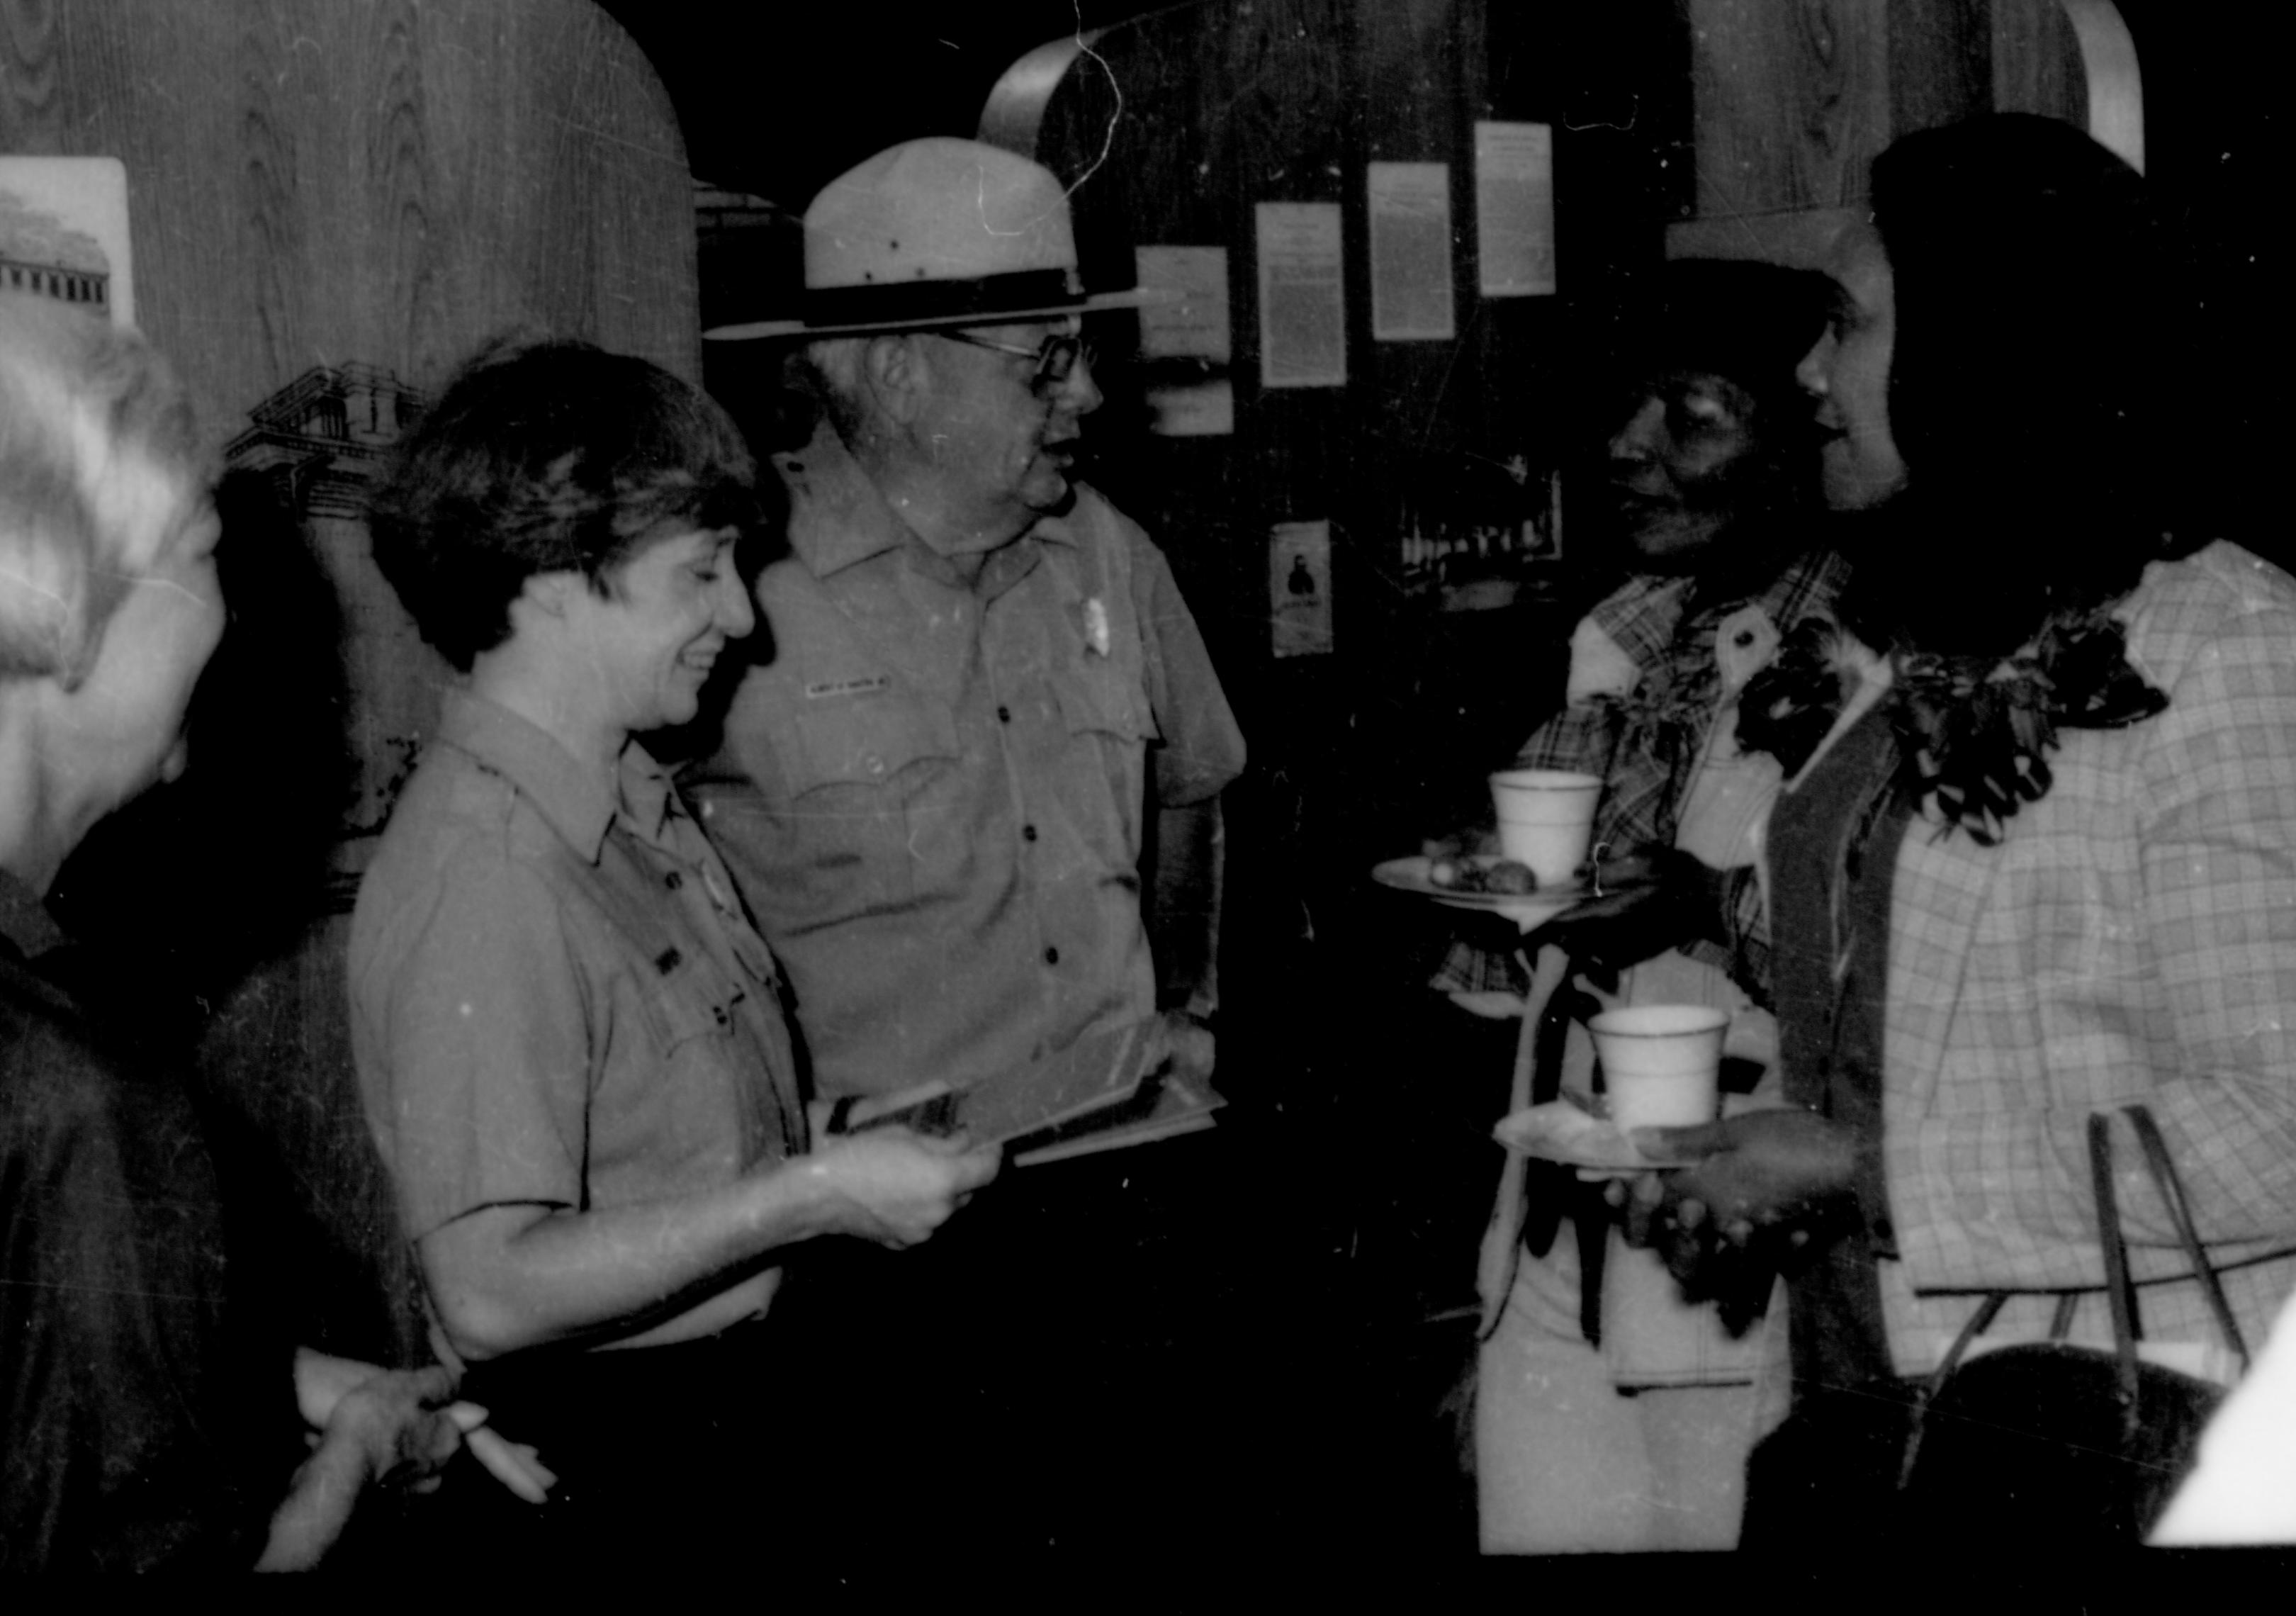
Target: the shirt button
pixel 674 880
pixel 1052 957
pixel 1003 715
pixel 1027 833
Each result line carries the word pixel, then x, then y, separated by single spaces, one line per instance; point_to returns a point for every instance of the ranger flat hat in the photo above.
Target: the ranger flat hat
pixel 936 231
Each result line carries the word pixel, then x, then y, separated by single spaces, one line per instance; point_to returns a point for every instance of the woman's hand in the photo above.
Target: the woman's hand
pixel 394 1426
pixel 322 1381
pixel 896 1187
pixel 1769 1187
pixel 1758 1170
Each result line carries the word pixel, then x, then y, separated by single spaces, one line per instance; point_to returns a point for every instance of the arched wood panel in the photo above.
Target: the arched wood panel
pixel 313 182
pixel 1793 99
pixel 331 202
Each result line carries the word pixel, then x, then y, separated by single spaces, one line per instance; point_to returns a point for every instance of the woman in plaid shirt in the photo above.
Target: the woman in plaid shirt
pixel 1711 465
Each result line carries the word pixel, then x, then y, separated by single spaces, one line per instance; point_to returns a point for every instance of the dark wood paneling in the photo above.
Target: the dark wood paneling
pixel 313 181
pixel 1223 107
pixel 1940 61
pixel 1792 100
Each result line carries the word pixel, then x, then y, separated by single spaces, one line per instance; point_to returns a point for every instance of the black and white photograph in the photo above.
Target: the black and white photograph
pixel 63 232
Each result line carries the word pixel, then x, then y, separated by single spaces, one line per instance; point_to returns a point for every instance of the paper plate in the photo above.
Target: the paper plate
pixel 1528 910
pixel 1558 1131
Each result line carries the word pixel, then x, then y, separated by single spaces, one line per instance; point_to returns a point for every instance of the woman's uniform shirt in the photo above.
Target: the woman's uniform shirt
pixel 555 999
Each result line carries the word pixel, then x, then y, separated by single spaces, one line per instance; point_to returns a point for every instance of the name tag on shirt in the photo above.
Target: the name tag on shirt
pixel 847 687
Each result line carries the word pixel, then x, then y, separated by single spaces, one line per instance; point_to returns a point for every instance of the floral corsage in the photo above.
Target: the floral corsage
pixel 1974 735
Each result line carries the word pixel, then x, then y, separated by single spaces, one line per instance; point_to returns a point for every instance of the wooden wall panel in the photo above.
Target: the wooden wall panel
pixel 316 181
pixel 1940 61
pixel 2037 61
pixel 1210 112
pixel 1794 100
pixel 1791 99
pixel 332 203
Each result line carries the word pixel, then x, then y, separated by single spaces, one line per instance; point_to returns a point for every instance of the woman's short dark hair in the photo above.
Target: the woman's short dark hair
pixel 2033 384
pixel 551 457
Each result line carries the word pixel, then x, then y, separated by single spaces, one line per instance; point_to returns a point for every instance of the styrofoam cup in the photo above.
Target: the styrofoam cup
pixel 1661 1063
pixel 1546 817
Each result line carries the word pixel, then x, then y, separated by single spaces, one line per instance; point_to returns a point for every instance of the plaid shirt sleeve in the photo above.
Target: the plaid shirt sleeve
pixel 2133 939
pixel 1578 739
pixel 1640 619
pixel 1644 619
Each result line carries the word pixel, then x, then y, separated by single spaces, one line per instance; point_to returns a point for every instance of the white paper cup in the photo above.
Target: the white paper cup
pixel 1546 817
pixel 1661 1063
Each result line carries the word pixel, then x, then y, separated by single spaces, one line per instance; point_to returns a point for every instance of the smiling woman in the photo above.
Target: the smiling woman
pixel 545 458
pixel 666 613
pixel 567 1035
pixel 1713 456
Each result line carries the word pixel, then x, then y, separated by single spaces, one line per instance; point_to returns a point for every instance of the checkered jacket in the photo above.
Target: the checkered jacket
pixel 2132 938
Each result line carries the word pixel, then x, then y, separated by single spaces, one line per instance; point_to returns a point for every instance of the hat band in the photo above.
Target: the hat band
pixel 939 301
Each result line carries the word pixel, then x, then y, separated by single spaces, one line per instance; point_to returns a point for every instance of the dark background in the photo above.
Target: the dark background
pixel 778 100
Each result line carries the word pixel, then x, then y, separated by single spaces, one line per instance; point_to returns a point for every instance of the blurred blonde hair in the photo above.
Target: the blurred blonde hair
pixel 98 449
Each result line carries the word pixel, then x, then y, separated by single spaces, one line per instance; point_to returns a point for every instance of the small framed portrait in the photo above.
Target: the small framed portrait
pixel 1542 529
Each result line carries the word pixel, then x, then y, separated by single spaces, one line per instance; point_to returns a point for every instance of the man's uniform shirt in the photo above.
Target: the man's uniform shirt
pixel 933 795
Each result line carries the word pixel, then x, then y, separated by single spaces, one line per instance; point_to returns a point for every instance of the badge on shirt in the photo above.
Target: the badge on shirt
pixel 849 687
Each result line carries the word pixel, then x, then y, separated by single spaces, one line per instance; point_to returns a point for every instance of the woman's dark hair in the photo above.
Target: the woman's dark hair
pixel 2033 383
pixel 548 458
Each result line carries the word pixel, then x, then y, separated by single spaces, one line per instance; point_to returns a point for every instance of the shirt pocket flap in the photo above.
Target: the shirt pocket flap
pixel 688 999
pixel 867 740
pixel 1101 698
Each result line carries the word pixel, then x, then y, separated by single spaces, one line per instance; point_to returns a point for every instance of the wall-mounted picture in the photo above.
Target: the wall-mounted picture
pixel 63 232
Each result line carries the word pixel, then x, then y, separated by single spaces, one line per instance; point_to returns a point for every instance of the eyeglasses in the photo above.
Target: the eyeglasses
pixel 1056 359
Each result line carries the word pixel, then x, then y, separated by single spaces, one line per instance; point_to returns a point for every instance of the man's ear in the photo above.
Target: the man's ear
pixel 895 369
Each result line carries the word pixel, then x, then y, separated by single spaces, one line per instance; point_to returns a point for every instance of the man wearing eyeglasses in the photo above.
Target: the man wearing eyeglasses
pixel 983 679
pixel 984 695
